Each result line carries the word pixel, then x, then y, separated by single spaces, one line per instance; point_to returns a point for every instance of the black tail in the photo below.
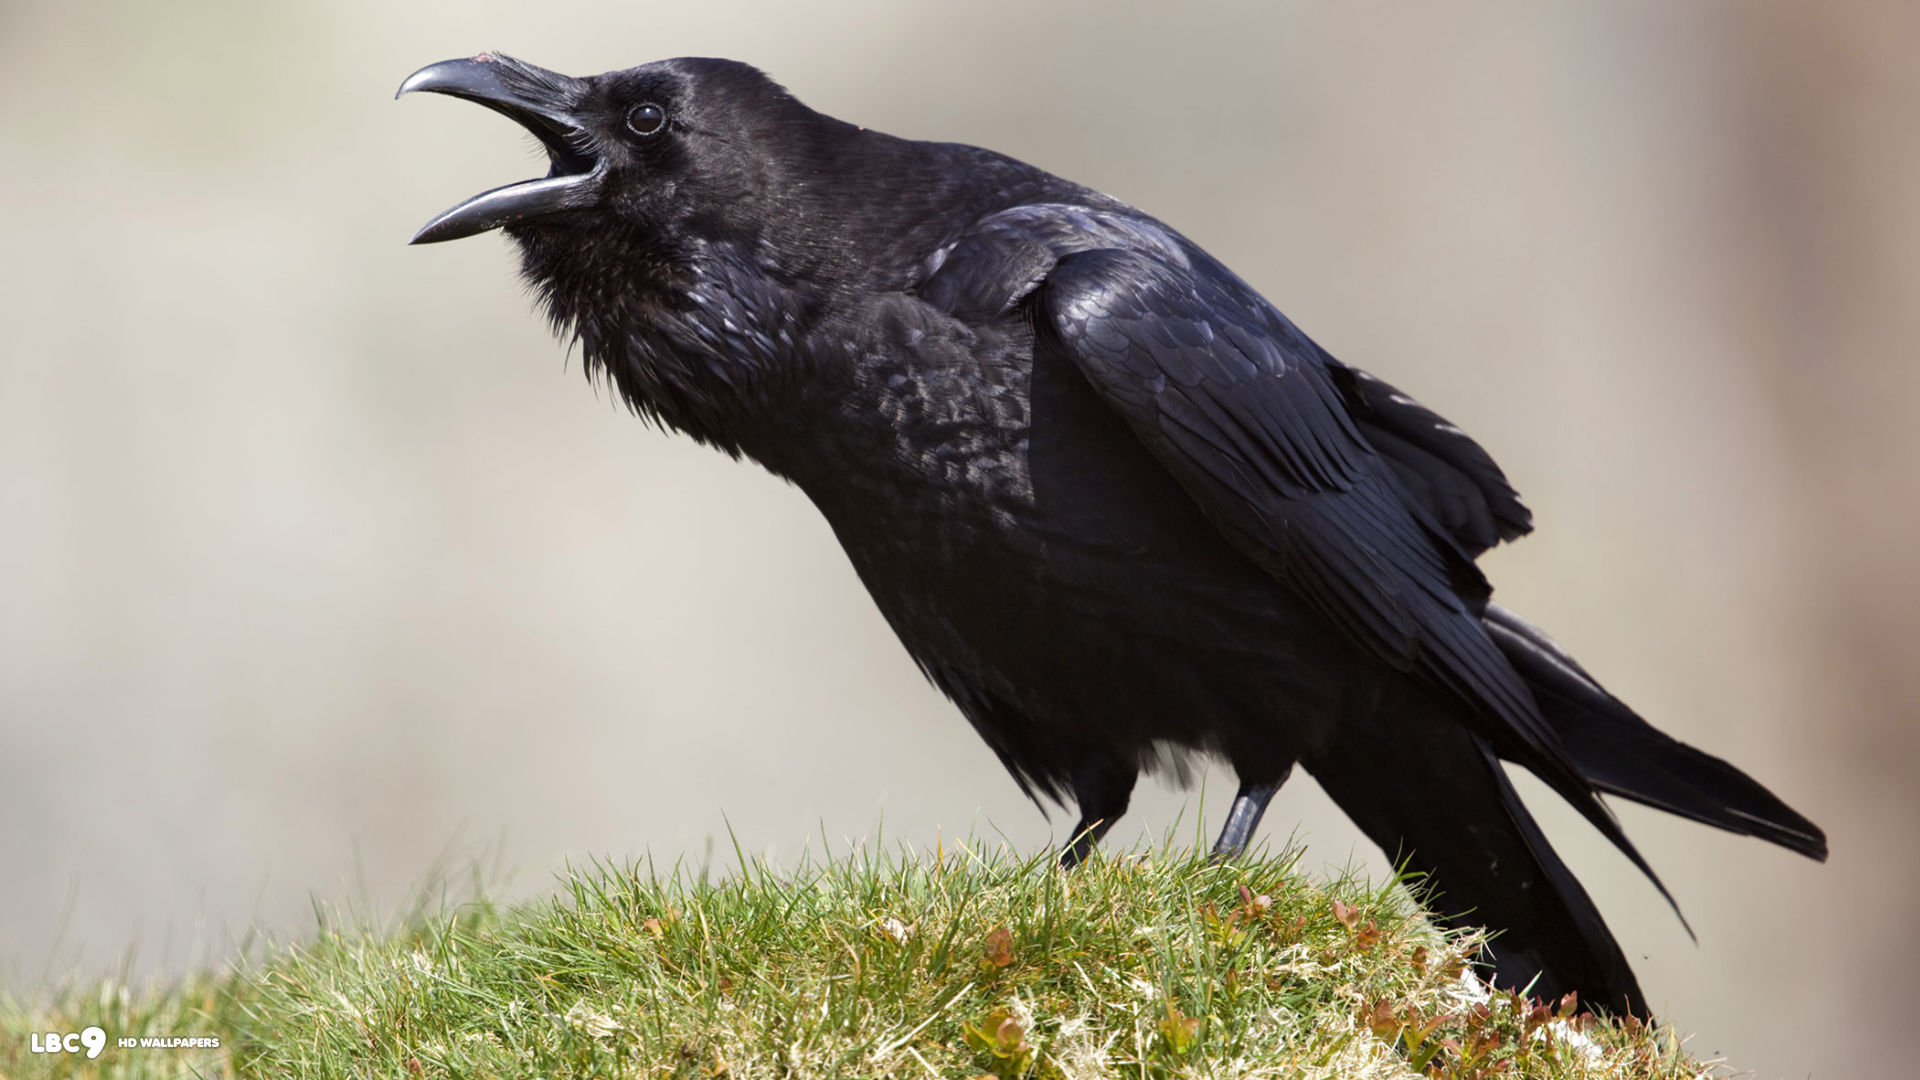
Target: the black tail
pixel 1422 786
pixel 1621 754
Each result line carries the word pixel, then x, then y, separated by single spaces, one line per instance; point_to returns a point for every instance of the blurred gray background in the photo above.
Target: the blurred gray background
pixel 320 563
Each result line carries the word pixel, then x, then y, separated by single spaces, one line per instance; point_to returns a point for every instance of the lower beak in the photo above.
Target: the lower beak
pixel 539 100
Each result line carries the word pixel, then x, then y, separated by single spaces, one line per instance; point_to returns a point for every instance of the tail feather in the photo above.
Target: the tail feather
pixel 1433 794
pixel 1621 754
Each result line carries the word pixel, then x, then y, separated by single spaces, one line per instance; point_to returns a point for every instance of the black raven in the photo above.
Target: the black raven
pixel 1116 505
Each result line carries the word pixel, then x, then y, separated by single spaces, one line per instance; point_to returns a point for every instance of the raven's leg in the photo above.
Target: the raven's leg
pixel 1244 816
pixel 1102 785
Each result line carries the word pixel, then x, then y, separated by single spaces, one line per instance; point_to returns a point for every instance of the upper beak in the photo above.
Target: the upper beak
pixel 540 100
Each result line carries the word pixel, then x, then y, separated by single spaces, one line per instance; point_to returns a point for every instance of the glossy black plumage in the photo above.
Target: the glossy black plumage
pixel 1115 505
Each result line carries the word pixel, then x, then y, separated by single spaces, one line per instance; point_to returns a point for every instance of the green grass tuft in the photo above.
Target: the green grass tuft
pixel 961 963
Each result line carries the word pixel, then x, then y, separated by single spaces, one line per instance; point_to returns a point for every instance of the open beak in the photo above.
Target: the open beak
pixel 539 100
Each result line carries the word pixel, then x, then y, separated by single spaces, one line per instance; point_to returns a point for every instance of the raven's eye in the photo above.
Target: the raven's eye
pixel 646 118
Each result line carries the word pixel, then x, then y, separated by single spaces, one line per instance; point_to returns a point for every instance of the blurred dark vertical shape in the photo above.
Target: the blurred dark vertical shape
pixel 1827 256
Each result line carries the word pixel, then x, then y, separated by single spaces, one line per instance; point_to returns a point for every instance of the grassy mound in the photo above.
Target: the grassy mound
pixel 959 964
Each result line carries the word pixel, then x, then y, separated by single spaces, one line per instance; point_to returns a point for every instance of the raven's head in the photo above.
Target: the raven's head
pixel 644 151
pixel 678 192
pixel 696 218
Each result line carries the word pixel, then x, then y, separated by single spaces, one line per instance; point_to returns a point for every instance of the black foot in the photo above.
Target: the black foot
pixel 1102 785
pixel 1086 836
pixel 1244 818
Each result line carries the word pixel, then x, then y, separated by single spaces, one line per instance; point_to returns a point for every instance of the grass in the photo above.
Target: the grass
pixel 959 963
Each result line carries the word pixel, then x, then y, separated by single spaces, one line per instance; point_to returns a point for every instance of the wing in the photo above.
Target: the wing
pixel 1250 417
pixel 1241 408
pixel 1452 480
pixel 1450 475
